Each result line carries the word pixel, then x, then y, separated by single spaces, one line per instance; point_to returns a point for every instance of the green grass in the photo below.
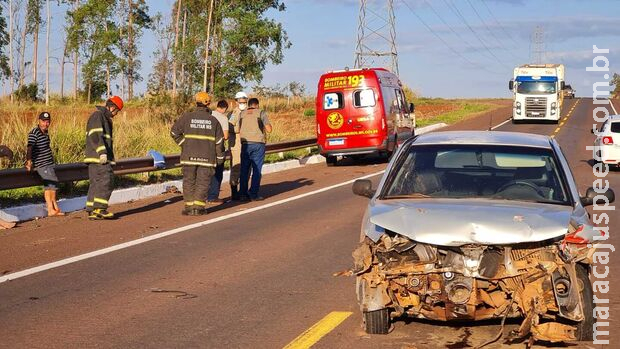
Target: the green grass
pixel 465 111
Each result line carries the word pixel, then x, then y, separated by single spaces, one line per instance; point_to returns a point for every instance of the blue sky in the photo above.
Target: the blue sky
pixel 324 36
pixel 476 62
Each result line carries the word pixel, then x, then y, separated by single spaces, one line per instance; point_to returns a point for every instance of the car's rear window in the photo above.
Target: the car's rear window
pixel 491 172
pixel 615 127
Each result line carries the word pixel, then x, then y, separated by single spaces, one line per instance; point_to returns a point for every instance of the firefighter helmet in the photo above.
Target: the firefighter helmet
pixel 117 101
pixel 202 98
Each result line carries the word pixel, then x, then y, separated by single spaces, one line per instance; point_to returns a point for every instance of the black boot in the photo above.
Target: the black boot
pixel 234 193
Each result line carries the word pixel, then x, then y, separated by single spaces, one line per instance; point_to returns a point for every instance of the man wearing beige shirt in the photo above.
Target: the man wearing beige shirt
pixel 241 100
pixel 253 125
pixel 216 181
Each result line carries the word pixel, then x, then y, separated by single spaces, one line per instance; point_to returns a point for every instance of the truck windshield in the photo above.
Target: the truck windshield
pixel 536 87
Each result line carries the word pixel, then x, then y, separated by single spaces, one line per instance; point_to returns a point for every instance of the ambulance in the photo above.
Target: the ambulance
pixel 361 112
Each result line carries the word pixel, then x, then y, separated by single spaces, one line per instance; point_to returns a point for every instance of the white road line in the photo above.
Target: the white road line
pixel 88 255
pixel 499 125
pixel 612 107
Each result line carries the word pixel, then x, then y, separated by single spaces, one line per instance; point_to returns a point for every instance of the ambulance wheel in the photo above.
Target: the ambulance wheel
pixel 585 328
pixel 331 160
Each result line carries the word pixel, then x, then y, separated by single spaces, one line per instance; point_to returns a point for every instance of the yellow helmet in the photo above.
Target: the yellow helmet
pixel 202 98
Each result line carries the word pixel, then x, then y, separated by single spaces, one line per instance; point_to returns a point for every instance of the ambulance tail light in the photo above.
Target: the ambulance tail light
pixel 608 140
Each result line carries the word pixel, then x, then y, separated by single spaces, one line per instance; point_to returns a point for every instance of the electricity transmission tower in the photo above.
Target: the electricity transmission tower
pixel 538 45
pixel 376 35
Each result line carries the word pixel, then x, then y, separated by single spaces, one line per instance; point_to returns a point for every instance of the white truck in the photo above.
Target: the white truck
pixel 537 90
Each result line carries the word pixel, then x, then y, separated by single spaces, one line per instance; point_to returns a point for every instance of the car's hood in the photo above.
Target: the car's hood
pixel 456 222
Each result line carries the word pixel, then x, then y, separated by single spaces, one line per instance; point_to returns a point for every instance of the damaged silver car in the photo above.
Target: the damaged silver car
pixel 478 225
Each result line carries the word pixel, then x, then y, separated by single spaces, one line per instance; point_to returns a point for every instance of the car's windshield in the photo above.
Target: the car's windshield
pixel 536 87
pixel 492 172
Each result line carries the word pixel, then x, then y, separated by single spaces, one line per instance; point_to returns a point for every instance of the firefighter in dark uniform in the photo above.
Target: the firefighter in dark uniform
pixel 100 158
pixel 202 148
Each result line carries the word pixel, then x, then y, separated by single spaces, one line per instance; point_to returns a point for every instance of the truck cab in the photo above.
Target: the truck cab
pixel 538 92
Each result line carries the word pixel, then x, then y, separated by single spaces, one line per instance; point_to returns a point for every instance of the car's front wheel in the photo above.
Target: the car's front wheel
pixel 377 322
pixel 585 327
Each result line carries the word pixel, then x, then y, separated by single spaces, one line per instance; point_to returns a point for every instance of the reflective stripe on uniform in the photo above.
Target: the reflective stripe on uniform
pixel 101 201
pixel 91 160
pixel 200 137
pixel 105 135
pixel 90 203
pixel 200 203
pixel 190 203
pixel 100 148
pixel 196 163
pixel 94 130
pixel 182 140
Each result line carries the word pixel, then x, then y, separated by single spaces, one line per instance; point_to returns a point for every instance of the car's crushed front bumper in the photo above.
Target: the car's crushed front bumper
pixel 535 281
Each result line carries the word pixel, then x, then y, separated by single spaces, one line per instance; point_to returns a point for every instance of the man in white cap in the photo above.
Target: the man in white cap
pixel 234 141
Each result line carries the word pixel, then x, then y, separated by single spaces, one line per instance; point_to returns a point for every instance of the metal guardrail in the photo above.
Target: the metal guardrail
pixel 20 178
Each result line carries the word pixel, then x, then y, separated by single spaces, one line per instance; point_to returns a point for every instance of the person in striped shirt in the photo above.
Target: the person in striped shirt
pixel 39 157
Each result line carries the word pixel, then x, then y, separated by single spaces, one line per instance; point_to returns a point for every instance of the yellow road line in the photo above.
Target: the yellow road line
pixel 312 335
pixel 555 132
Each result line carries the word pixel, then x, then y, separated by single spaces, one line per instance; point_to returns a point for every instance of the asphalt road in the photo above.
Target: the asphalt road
pixel 255 276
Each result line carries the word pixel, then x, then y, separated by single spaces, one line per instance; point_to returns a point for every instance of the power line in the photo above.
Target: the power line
pixel 460 15
pixel 498 23
pixel 452 29
pixel 485 24
pixel 445 43
pixel 492 32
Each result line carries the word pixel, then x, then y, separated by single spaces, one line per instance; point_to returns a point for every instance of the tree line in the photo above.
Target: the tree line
pixel 212 45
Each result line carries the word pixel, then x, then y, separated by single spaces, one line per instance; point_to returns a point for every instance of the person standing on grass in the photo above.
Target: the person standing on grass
pixel 100 158
pixel 216 180
pixel 202 149
pixel 241 101
pixel 253 125
pixel 40 158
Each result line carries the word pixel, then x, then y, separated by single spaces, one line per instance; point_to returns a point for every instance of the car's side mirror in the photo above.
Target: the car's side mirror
pixel 411 107
pixel 511 85
pixel 593 197
pixel 562 85
pixel 363 187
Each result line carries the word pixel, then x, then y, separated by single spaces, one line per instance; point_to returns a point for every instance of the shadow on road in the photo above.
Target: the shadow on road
pixel 464 340
pixel 361 161
pixel 593 162
pixel 153 206
pixel 267 190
